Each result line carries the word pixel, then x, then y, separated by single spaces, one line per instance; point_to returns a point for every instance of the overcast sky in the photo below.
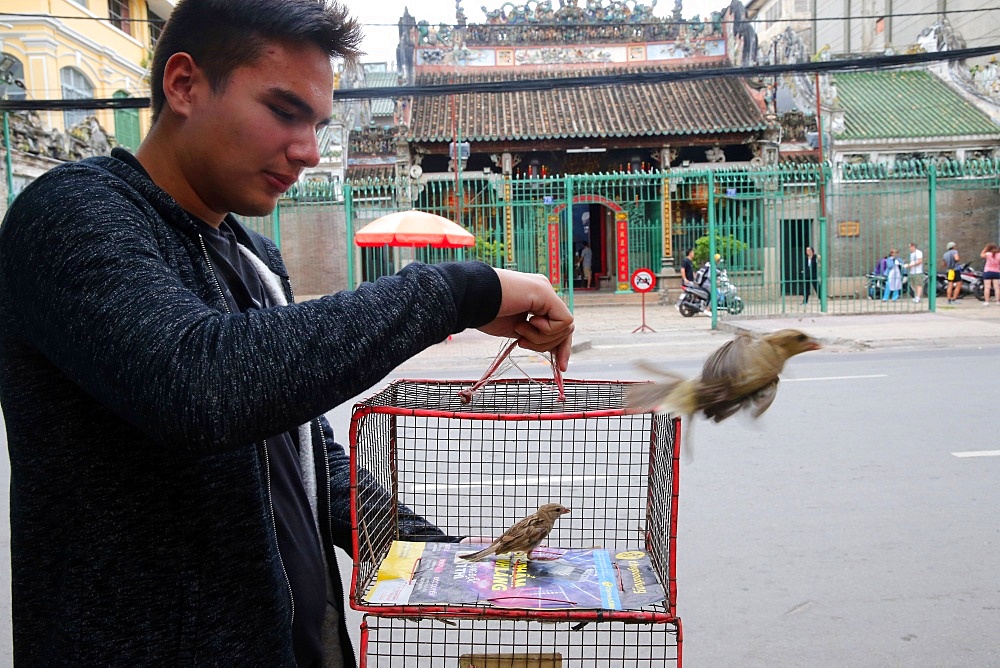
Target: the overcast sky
pixel 380 17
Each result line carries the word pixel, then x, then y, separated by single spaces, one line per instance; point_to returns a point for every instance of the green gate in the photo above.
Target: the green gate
pixel 757 220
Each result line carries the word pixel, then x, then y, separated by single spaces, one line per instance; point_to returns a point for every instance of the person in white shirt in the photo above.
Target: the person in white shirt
pixel 917 277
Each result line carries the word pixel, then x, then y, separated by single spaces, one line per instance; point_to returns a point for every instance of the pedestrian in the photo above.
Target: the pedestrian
pixel 810 274
pixel 176 495
pixel 915 267
pixel 953 266
pixel 893 277
pixel 587 262
pixel 991 272
pixel 687 267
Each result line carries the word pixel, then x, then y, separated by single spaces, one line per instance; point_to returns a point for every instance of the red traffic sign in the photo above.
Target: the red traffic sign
pixel 643 280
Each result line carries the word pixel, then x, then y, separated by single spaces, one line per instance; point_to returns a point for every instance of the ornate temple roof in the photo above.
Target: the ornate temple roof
pixel 680 108
pixel 911 104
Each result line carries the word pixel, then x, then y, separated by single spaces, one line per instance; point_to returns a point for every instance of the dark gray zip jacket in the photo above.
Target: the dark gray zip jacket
pixel 136 409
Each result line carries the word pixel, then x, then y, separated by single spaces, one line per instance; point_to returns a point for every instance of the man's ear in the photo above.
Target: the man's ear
pixel 180 77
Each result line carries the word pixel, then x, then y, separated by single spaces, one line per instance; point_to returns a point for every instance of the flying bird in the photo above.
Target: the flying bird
pixel 524 536
pixel 742 374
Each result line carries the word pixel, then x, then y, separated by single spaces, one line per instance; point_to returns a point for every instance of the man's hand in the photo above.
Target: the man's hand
pixel 533 313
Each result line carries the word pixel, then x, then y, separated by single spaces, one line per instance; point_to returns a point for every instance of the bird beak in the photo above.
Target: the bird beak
pixel 814 345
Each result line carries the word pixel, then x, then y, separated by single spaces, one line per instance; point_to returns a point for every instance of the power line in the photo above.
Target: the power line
pixel 541 24
pixel 614 79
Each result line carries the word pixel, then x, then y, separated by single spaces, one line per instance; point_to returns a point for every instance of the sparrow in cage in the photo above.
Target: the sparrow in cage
pixel 743 373
pixel 524 536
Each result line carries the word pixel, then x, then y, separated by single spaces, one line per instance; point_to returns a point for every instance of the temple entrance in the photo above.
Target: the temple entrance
pixel 591 227
pixel 794 239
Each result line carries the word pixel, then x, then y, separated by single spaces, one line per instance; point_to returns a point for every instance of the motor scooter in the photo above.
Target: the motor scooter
pixel 972 282
pixel 695 296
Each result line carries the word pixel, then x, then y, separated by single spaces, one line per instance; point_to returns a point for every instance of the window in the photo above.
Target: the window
pixel 75 86
pixel 155 26
pixel 126 125
pixel 82 3
pixel 119 15
pixel 11 72
pixel 773 14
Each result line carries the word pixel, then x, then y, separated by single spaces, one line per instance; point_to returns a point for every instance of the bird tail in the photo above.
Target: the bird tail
pixel 478 556
pixel 673 396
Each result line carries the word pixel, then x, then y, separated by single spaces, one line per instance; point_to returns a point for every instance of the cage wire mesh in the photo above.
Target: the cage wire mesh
pixel 476 468
pixel 405 643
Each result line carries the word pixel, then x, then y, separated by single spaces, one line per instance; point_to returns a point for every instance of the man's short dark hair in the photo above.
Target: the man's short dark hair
pixel 222 35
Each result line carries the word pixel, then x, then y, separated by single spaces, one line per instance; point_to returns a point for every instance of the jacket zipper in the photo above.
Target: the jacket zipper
pixel 263 446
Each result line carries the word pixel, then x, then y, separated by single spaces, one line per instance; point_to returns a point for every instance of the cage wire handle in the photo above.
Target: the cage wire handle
pixel 467 394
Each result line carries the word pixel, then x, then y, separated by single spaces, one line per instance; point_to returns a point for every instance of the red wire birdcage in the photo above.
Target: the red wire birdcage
pixel 473 469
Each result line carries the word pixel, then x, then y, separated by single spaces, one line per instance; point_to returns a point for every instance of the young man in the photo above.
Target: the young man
pixel 176 495
pixel 915 266
pixel 587 263
pixel 687 267
pixel 952 263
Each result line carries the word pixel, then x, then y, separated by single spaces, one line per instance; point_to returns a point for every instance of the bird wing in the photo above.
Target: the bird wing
pixel 525 535
pixel 739 374
pixel 727 362
pixel 763 398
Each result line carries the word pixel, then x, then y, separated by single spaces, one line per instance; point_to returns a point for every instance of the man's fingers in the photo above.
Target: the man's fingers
pixel 537 334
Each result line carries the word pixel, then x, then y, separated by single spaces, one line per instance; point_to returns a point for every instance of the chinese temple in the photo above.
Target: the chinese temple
pixel 623 118
pixel 594 128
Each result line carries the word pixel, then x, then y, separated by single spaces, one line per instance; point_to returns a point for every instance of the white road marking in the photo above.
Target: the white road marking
pixel 802 380
pixel 977 453
pixel 513 481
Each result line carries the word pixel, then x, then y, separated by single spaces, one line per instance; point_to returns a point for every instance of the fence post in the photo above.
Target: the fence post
pixel 713 287
pixel 930 267
pixel 824 273
pixel 568 234
pixel 349 228
pixel 276 225
pixel 8 159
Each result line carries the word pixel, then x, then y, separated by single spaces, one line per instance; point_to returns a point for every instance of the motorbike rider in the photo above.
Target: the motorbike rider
pixel 952 262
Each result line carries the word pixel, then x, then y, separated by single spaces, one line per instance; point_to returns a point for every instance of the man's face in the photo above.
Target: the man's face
pixel 248 143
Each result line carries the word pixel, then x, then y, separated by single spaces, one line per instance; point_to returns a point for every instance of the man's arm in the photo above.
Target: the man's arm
pixel 124 306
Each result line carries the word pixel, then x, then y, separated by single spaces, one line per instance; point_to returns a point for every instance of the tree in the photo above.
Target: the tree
pixel 727 246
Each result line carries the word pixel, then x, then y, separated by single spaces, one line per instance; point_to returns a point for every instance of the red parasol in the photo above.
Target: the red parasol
pixel 414 228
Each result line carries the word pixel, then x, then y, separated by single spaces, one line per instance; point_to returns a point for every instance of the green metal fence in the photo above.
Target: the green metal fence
pixel 759 220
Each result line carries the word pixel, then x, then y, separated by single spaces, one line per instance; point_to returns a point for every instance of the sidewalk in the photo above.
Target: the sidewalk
pixel 606 333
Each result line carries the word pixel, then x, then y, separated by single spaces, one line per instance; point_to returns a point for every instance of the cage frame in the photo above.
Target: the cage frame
pixel 367 407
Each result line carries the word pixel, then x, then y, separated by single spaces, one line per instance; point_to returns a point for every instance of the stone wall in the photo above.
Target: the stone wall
pixel 314 245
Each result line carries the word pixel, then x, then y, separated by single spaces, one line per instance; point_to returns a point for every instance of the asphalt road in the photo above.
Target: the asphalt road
pixel 840 529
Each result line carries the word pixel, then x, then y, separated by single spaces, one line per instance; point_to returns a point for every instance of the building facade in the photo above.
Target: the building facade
pixel 75 49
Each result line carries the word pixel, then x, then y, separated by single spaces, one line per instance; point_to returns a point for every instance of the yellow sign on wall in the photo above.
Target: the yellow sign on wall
pixel 849 228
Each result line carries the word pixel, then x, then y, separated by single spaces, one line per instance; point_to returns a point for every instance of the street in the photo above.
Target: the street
pixel 839 529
